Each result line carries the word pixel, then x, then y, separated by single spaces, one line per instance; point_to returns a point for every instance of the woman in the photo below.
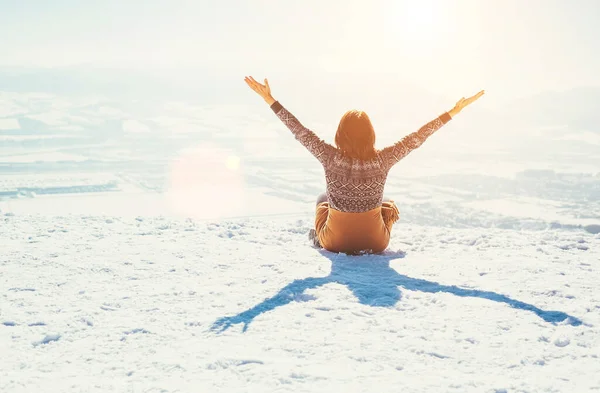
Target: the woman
pixel 352 216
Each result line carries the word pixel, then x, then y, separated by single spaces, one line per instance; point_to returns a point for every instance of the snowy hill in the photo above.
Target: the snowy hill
pixel 159 243
pixel 97 304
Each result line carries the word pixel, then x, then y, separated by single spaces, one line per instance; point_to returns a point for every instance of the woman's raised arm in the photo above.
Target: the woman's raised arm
pixel 392 154
pixel 316 146
pixel 262 90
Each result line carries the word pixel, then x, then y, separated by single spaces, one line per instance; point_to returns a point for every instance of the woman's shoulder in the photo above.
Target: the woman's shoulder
pixel 342 160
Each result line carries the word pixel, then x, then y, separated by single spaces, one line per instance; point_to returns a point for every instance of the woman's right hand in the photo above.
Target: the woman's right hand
pixel 463 102
pixel 262 90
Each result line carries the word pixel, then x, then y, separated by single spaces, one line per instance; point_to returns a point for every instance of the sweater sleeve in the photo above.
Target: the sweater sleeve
pixel 316 146
pixel 392 154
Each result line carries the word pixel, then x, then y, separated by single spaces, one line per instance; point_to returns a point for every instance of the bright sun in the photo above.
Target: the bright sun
pixel 416 22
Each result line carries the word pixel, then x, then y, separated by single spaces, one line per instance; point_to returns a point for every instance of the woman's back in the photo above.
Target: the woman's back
pixel 354 185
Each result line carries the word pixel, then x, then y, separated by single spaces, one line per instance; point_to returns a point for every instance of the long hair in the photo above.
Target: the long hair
pixel 355 135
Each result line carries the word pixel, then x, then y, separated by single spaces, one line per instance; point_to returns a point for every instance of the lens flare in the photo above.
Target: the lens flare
pixel 232 163
pixel 206 182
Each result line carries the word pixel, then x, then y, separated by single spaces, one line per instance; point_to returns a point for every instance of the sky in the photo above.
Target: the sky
pixel 508 47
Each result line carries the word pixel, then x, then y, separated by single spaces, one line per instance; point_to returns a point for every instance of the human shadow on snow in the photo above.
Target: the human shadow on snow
pixel 374 283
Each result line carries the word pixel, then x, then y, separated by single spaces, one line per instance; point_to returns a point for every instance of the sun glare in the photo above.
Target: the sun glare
pixel 205 182
pixel 232 163
pixel 416 23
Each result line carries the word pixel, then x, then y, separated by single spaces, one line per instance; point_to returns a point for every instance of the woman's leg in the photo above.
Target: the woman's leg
pixel 390 213
pixel 321 217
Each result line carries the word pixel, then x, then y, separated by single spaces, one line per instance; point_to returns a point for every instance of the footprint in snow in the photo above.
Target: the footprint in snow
pixel 48 339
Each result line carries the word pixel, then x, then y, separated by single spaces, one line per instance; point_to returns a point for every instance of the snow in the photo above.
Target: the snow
pixel 178 305
pixel 163 247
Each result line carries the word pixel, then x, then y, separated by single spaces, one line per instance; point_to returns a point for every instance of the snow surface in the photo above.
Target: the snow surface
pixel 162 247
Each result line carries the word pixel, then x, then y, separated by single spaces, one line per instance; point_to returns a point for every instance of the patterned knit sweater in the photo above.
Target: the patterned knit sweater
pixel 355 185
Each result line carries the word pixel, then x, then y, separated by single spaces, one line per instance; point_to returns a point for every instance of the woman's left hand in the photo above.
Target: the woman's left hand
pixel 262 90
pixel 463 102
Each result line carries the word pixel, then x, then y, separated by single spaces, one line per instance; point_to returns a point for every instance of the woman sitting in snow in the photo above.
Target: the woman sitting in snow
pixel 352 216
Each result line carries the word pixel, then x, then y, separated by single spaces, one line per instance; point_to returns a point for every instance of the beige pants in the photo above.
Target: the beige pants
pixel 353 233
